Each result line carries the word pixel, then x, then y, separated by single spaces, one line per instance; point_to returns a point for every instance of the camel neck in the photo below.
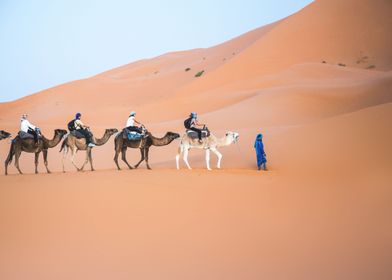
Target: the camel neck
pixel 53 142
pixel 103 140
pixel 224 141
pixel 160 141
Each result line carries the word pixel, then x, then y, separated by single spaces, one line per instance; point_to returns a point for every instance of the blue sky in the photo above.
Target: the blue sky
pixel 46 43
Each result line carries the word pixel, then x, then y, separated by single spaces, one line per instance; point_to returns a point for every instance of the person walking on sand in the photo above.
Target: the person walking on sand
pixel 260 153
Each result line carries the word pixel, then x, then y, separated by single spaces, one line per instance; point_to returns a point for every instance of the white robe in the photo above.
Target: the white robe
pixel 25 125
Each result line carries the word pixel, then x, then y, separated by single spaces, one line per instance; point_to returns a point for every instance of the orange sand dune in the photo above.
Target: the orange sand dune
pixel 130 86
pixel 322 210
pixel 353 33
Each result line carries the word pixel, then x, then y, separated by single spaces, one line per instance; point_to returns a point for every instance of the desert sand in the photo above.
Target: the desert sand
pixel 317 84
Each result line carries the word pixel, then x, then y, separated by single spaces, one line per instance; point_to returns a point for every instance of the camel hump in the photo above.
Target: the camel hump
pixel 131 135
pixel 24 135
pixel 77 134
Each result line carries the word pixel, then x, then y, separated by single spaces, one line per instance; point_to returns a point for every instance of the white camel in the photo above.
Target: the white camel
pixel 210 144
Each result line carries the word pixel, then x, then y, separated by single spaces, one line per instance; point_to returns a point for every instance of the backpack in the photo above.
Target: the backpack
pixel 187 123
pixel 71 125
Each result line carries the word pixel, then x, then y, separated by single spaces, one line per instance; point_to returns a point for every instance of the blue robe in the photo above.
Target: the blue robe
pixel 259 147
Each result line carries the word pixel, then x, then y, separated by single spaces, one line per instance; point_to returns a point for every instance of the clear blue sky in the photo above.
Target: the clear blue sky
pixel 44 43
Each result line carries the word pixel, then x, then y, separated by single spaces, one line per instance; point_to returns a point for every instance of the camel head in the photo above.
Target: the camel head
pixel 232 137
pixel 172 135
pixel 60 132
pixel 111 131
pixel 4 134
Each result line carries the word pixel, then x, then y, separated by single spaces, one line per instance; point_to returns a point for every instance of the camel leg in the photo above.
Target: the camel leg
pixel 6 167
pixel 36 162
pixel 208 159
pixel 146 152
pixel 73 151
pixel 124 156
pixel 141 158
pixel 90 157
pixel 9 159
pixel 219 155
pixel 117 152
pixel 17 155
pixel 185 158
pixel 45 156
pixel 65 153
pixel 179 152
pixel 86 160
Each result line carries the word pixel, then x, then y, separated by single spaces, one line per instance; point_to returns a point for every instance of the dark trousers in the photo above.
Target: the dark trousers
pixel 34 133
pixel 87 134
pixel 135 128
pixel 196 130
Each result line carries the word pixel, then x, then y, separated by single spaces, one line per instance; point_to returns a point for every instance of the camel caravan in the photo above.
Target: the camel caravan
pixel 80 138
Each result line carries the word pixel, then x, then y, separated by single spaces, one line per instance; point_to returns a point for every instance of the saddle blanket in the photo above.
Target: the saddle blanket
pixel 25 135
pixel 132 135
pixel 193 134
pixel 77 134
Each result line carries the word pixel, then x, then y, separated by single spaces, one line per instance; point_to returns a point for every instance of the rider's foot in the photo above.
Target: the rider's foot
pixel 91 145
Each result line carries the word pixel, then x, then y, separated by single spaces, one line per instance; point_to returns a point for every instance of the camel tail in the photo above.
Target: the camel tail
pixel 62 146
pixel 179 150
pixel 10 154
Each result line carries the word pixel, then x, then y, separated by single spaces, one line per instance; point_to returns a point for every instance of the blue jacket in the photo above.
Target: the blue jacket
pixel 259 147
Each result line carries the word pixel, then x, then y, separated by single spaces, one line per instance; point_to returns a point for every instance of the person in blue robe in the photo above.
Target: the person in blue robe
pixel 260 153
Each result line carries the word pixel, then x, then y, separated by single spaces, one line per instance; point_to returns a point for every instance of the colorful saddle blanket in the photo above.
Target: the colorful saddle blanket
pixel 132 135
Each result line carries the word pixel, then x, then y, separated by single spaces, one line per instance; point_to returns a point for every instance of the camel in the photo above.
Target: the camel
pixel 121 145
pixel 73 144
pixel 4 134
pixel 210 144
pixel 28 145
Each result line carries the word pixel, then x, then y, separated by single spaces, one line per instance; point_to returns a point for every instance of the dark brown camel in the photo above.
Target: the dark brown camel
pixel 28 145
pixel 4 134
pixel 121 145
pixel 73 144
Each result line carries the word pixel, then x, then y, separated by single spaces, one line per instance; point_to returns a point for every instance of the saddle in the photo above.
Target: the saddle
pixel 24 135
pixel 77 134
pixel 193 134
pixel 131 135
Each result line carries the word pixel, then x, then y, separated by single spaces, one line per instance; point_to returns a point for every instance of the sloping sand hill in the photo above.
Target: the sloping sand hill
pixel 322 210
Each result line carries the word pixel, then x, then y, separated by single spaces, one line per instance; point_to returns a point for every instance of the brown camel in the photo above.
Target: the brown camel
pixel 74 144
pixel 28 145
pixel 4 134
pixel 121 145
